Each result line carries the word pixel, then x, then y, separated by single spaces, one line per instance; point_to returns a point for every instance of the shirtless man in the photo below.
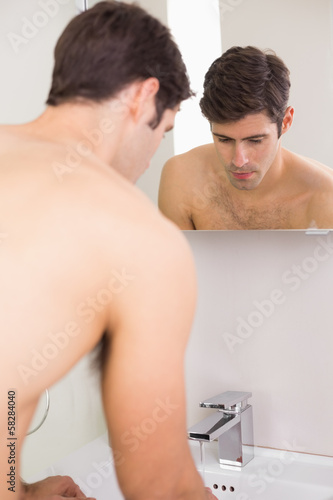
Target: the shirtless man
pixel 86 260
pixel 245 179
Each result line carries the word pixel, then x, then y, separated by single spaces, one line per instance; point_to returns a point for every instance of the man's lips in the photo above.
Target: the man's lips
pixel 242 175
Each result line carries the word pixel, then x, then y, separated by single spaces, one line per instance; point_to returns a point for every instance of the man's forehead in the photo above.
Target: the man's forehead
pixel 254 124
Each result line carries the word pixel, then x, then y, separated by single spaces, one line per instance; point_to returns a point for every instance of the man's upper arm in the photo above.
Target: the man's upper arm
pixel 143 380
pixel 172 194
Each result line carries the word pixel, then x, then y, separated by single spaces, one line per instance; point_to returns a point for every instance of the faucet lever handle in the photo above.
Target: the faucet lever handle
pixel 227 400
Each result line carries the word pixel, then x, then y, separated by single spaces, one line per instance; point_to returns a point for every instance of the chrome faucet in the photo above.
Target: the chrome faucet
pixel 232 425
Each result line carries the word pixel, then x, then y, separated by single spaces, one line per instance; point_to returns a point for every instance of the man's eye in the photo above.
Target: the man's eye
pixel 221 139
pixel 256 141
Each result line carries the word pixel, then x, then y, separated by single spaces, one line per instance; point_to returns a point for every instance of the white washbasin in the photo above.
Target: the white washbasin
pixel 271 475
pixel 92 469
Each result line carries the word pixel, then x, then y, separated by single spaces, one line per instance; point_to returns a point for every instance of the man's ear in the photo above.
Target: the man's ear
pixel 287 120
pixel 149 88
pixel 145 96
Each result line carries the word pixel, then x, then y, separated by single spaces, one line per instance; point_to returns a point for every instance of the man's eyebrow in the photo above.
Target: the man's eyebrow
pixel 256 136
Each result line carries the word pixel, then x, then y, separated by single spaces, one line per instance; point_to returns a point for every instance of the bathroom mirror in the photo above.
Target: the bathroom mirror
pixel 281 26
pixel 299 31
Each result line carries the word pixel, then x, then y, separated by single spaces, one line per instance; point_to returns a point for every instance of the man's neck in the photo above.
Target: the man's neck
pixel 90 127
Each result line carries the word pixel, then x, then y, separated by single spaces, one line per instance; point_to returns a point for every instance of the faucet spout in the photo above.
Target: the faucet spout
pixel 213 426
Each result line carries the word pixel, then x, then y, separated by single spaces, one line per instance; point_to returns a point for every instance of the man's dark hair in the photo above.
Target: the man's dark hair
pixel 112 45
pixel 243 81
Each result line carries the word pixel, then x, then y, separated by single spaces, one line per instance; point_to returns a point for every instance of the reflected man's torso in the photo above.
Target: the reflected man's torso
pixel 196 194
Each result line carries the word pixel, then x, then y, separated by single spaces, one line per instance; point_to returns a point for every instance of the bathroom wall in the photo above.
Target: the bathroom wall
pixel 264 325
pixel 28 31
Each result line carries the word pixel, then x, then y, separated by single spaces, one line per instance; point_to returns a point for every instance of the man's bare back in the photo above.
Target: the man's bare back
pixel 58 251
pixel 196 194
pixel 74 260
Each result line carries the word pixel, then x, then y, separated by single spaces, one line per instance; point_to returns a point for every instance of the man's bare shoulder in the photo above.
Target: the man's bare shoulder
pixel 193 159
pixel 310 171
pixel 119 215
pixel 76 186
pixel 315 180
pixel 188 170
pixel 182 176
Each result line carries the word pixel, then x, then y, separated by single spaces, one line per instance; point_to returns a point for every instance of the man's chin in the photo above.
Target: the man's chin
pixel 245 184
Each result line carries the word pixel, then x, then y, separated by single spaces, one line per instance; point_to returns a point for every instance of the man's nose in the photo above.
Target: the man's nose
pixel 240 157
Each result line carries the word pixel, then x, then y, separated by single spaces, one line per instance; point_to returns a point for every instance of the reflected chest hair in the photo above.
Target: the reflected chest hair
pixel 222 212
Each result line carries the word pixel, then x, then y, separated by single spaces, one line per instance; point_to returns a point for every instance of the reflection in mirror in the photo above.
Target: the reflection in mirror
pixel 243 179
pixel 278 25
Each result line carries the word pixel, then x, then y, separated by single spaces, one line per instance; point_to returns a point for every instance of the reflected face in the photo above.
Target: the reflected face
pixel 247 149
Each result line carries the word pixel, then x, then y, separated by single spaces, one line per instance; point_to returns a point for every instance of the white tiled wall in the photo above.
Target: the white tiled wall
pixel 264 324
